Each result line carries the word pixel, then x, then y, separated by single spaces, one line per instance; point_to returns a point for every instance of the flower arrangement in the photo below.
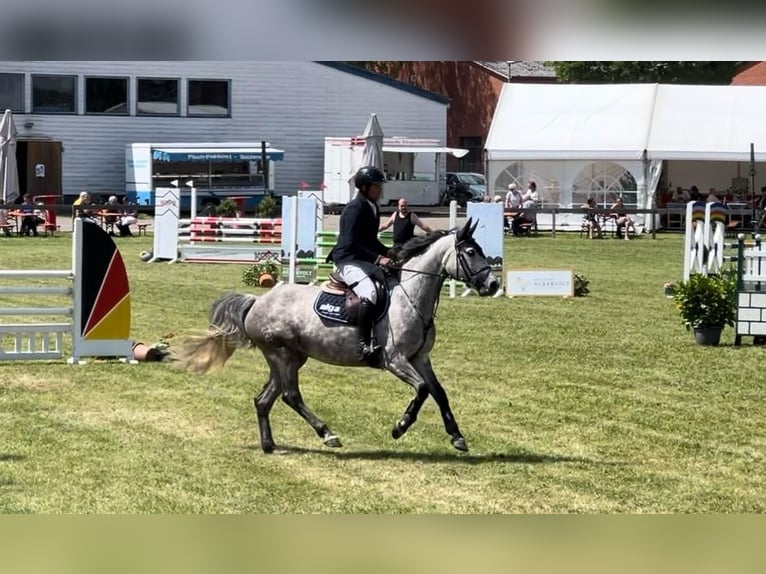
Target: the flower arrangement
pixel 253 274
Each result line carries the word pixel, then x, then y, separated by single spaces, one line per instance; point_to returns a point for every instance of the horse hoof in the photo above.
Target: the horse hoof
pixel 459 444
pixel 397 431
pixel 333 441
pixel 267 448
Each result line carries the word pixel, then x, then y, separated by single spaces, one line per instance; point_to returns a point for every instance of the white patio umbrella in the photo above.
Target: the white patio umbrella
pixel 373 143
pixel 9 175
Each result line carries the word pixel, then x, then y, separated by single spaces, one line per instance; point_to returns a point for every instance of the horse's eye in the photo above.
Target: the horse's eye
pixel 470 252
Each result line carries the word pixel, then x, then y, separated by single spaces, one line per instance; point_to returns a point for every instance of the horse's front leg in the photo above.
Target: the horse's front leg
pixel 424 368
pixel 406 372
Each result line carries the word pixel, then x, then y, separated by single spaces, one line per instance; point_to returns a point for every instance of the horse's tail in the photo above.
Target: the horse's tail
pixel 211 349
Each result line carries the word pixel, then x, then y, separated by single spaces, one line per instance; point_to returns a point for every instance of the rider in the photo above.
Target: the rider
pixel 358 251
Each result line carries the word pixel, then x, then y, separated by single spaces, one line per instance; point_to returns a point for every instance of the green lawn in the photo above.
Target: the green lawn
pixel 595 404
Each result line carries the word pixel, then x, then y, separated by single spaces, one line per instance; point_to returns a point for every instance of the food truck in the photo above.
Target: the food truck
pixel 216 170
pixel 414 169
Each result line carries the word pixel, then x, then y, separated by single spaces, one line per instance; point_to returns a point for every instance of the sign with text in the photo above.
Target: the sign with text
pixel 539 282
pixel 166 207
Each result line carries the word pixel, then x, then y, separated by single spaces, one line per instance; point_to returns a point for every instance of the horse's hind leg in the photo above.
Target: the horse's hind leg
pixel 290 363
pixel 263 403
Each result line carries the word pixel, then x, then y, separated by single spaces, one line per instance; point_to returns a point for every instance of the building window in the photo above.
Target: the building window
pixel 472 161
pixel 54 94
pixel 12 93
pixel 209 98
pixel 157 97
pixel 106 96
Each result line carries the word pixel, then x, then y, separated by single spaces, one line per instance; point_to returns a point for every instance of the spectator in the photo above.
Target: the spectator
pixel 128 218
pixel 694 193
pixel 4 218
pixel 623 221
pixel 512 205
pixel 680 195
pixel 83 200
pixel 404 222
pixel 29 219
pixel 712 197
pixel 590 219
pixel 529 200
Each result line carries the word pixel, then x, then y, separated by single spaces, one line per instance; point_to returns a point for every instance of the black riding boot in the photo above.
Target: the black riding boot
pixel 368 351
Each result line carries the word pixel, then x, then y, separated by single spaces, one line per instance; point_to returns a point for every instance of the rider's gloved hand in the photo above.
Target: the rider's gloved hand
pixel 384 261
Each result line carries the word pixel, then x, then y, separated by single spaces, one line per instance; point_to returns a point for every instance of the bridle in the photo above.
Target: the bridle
pixel 463 267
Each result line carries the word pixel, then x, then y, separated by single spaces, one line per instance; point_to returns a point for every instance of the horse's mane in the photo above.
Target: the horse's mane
pixel 419 244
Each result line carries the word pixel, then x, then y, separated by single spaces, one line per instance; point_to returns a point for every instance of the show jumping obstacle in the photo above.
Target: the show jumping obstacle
pixel 97 302
pixel 704 253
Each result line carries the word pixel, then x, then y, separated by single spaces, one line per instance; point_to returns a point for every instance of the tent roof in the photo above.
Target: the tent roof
pixel 708 123
pixel 570 121
pixel 620 121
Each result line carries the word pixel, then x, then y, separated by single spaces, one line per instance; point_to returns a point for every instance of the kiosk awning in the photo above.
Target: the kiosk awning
pixel 215 155
pixel 457 152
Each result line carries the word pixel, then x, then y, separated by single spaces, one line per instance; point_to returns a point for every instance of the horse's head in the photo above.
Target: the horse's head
pixel 471 266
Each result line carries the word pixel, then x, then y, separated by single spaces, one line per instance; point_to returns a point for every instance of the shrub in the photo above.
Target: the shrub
pixel 707 301
pixel 581 285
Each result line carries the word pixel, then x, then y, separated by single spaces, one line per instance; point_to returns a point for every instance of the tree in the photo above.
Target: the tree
pixel 645 72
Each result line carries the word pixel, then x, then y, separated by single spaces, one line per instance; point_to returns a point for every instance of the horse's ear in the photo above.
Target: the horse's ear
pixel 465 231
pixel 472 229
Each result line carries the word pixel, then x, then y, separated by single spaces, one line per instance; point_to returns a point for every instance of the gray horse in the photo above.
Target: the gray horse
pixel 284 326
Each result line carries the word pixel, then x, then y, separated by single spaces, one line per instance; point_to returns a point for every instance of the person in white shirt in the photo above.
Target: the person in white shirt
pixel 529 200
pixel 680 195
pixel 531 197
pixel 512 198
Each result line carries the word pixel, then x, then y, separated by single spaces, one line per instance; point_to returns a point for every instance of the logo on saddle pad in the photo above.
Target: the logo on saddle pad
pixel 328 308
pixel 333 307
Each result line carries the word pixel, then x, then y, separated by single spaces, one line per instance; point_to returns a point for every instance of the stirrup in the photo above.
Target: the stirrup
pixel 371 354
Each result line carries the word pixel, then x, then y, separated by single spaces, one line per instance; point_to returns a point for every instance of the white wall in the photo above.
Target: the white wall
pixel 292 105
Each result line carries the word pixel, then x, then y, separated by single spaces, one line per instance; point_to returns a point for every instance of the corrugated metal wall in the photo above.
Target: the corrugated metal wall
pixel 293 105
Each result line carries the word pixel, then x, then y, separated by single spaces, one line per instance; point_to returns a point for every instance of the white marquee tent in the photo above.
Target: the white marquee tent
pixel 580 140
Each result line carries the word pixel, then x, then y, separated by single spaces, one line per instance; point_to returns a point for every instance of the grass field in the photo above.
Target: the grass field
pixel 595 404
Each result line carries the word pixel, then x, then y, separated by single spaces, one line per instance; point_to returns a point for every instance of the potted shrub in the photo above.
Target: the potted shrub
pixel 707 304
pixel 263 274
pixel 227 208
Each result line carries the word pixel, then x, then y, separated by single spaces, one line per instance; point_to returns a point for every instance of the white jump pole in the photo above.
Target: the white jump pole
pixel 293 239
pixel 452 225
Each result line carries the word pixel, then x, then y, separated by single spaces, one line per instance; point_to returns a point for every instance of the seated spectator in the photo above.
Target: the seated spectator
pixel 128 218
pixel 82 202
pixel 512 204
pixel 623 221
pixel 112 206
pixel 694 193
pixel 529 200
pixel 30 218
pixel 590 219
pixel 4 218
pixel 712 197
pixel 680 195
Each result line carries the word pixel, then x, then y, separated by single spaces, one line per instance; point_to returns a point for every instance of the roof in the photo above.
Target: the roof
pixel 568 121
pixel 385 80
pixel 521 69
pixel 628 122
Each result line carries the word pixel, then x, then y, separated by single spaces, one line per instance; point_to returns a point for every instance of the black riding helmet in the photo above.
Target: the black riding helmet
pixel 366 176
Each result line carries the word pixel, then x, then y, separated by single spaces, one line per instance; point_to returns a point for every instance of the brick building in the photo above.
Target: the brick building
pixel 751 74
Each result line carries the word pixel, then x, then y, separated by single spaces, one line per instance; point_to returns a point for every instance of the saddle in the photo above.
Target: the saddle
pixel 336 301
